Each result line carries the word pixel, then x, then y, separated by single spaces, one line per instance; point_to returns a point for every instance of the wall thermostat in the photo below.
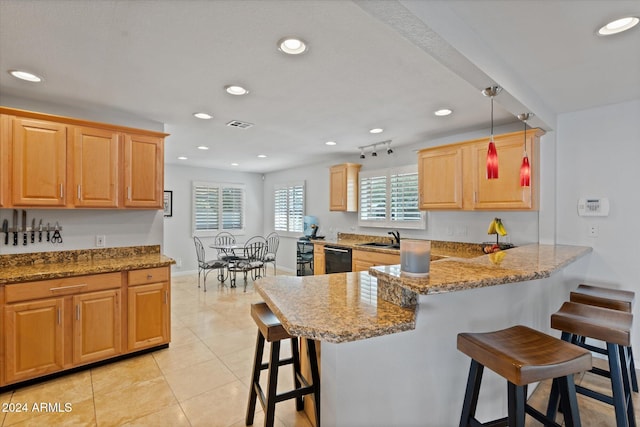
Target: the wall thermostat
pixel 593 206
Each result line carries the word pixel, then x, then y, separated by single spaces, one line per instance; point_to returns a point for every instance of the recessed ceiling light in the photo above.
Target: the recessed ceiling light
pixel 262 156
pixel 330 143
pixel 443 112
pixel 182 158
pixel 292 45
pixel 24 75
pixel 235 164
pixel 235 90
pixel 618 26
pixel 203 116
pixel 203 147
pixel 376 130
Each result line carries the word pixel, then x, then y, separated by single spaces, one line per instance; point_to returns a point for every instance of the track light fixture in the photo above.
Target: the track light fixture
pixel 374 152
pixel 389 150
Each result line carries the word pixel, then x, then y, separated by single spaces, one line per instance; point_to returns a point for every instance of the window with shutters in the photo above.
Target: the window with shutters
pixel 218 207
pixel 389 198
pixel 289 208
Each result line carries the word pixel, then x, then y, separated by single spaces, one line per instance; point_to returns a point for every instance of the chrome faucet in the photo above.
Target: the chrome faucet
pixel 396 236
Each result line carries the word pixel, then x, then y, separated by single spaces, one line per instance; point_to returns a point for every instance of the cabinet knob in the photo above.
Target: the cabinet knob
pixel 149 276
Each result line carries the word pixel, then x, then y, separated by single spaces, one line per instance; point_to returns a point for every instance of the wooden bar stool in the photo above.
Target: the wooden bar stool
pixel 614 299
pixel 614 328
pixel 522 356
pixel 271 330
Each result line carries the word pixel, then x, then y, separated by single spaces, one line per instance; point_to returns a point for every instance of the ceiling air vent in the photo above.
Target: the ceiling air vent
pixel 239 124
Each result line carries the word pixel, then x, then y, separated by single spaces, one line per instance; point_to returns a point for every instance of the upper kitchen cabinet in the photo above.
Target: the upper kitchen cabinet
pixel 440 178
pixel 4 158
pixel 53 161
pixel 343 187
pixel 505 192
pixel 144 171
pixel 453 177
pixel 39 163
pixel 95 167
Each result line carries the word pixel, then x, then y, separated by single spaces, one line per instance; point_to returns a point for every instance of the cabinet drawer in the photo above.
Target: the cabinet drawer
pixel 148 275
pixel 64 286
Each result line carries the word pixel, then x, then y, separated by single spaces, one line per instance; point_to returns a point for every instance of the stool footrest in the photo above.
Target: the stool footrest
pixel 540 416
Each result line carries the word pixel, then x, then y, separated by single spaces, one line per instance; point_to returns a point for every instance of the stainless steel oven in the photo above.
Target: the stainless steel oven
pixel 336 259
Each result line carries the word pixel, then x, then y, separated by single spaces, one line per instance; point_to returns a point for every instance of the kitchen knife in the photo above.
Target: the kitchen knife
pixel 48 233
pixel 15 227
pixel 33 230
pixel 40 231
pixel 24 227
pixel 5 230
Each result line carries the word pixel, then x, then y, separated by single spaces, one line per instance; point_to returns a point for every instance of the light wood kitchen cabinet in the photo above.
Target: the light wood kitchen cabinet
pixel 318 258
pixel 95 167
pixel 144 171
pixel 343 188
pixel 148 308
pixel 363 260
pixel 5 132
pixel 505 192
pixel 440 178
pixel 54 161
pixel 96 326
pixel 52 325
pixel 33 339
pixel 453 177
pixel 39 163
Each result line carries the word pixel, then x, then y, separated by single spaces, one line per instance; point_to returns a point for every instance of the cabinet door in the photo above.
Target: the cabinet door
pixel 440 178
pixel 144 171
pixel 34 343
pixel 148 315
pixel 505 191
pixel 39 151
pixel 95 168
pixel 96 326
pixel 338 188
pixel 5 134
pixel 318 259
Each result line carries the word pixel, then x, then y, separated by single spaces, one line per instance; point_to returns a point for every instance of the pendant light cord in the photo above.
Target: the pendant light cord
pixel 491 118
pixel 525 138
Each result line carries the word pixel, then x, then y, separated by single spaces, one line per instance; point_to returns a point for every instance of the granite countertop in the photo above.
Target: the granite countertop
pixel 353 306
pixel 336 308
pixel 439 249
pixel 519 264
pixel 52 265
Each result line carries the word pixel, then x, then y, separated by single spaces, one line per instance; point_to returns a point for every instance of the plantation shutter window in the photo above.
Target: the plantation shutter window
pixel 217 207
pixel 389 198
pixel 289 200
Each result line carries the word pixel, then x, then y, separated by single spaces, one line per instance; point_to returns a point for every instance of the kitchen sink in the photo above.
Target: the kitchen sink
pixel 381 245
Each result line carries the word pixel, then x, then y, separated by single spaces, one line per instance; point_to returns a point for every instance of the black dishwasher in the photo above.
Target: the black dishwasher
pixel 336 259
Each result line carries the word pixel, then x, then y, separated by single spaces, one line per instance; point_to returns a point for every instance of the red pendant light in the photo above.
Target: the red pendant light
pixel 525 168
pixel 492 153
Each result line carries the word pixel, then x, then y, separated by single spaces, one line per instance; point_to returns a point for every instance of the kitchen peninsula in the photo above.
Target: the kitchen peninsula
pixel 388 342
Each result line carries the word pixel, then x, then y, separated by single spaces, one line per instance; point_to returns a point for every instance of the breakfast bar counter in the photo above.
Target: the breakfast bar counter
pixel 388 342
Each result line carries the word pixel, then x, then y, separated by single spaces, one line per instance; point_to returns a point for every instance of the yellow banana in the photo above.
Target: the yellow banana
pixel 497 257
pixel 500 227
pixel 492 227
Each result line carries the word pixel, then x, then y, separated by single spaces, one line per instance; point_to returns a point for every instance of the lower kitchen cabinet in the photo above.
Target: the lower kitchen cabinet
pixel 96 326
pixel 149 308
pixel 33 339
pixel 363 260
pixel 52 325
pixel 318 258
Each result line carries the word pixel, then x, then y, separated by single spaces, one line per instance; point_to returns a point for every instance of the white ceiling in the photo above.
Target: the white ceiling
pixel 371 63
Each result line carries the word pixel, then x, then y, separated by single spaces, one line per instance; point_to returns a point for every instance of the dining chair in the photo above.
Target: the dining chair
pixel 273 241
pixel 206 267
pixel 304 257
pixel 251 261
pixel 225 238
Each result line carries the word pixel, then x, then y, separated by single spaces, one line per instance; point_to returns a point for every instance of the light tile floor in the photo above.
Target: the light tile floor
pixel 202 379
